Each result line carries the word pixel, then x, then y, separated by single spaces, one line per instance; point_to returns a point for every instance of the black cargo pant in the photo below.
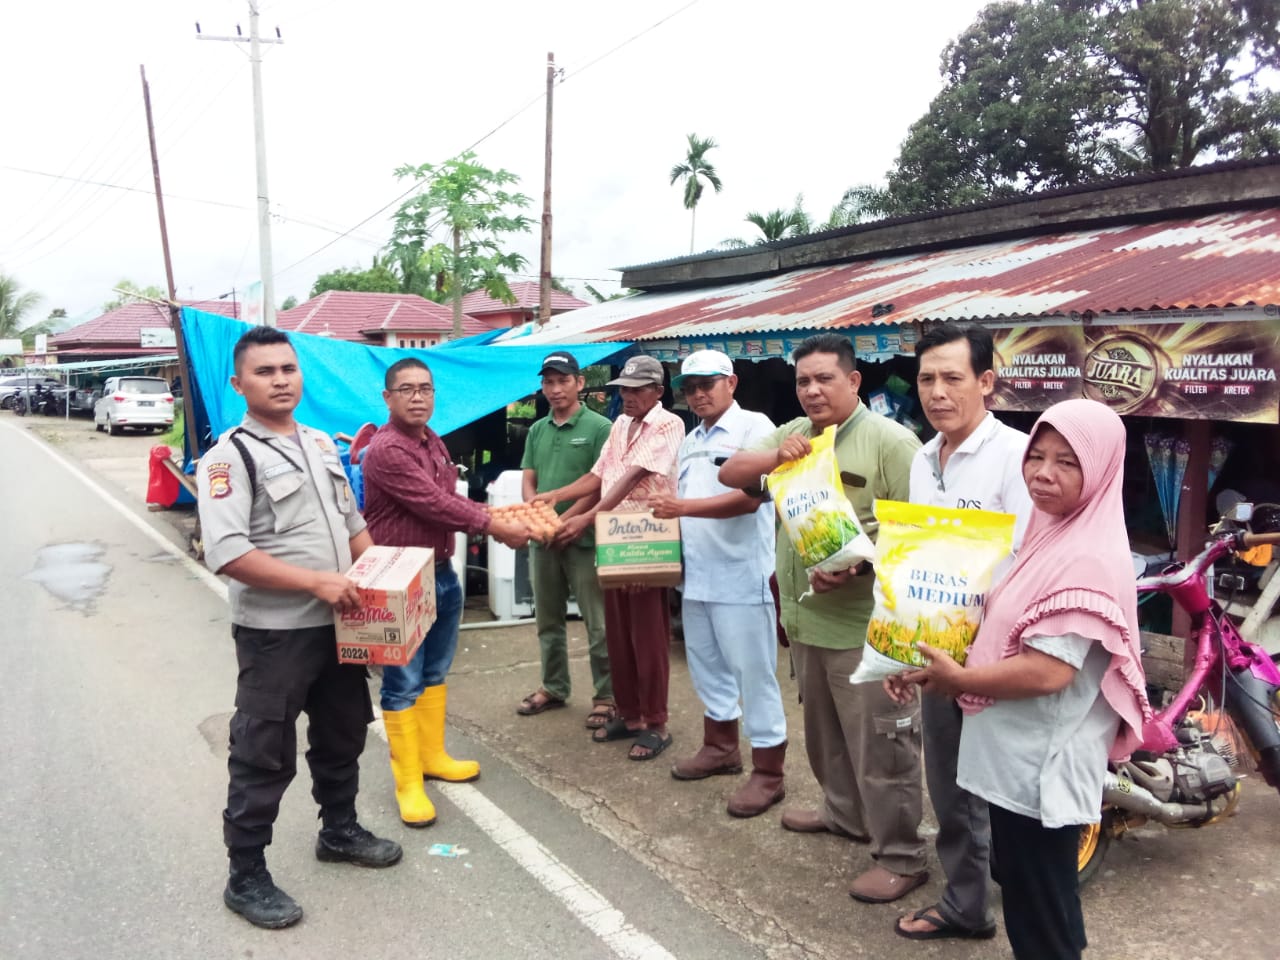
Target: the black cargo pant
pixel 282 673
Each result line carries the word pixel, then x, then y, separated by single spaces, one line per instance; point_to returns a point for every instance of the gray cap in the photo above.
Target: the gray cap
pixel 639 372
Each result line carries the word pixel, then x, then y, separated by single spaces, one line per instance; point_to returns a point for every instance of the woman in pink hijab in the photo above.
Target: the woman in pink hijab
pixel 1053 683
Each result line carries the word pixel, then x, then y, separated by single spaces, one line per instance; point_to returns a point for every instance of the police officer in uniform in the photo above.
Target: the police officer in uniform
pixel 279 519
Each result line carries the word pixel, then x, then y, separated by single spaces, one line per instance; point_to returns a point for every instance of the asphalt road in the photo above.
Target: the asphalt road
pixel 112 778
pixel 119 681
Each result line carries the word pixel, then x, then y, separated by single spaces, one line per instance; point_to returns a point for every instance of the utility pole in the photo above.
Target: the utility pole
pixel 544 274
pixel 260 152
pixel 191 436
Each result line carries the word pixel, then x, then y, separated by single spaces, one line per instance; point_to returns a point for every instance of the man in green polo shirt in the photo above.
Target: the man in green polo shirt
pixel 560 448
pixel 863 748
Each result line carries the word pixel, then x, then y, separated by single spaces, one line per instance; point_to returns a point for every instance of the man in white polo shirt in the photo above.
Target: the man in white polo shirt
pixel 729 630
pixel 974 462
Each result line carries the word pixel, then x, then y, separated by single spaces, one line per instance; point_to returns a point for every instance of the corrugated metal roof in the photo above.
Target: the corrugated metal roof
pixel 1219 260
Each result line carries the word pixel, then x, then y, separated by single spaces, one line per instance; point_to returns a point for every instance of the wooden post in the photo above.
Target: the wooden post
pixel 189 432
pixel 544 272
pixel 1191 514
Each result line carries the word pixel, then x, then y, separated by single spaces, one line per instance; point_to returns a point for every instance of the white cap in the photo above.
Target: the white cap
pixel 703 363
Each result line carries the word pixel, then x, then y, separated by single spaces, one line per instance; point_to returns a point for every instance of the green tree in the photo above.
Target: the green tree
pixel 453 231
pixel 781 224
pixel 776 224
pixel 125 288
pixel 289 302
pixel 858 205
pixel 1053 93
pixel 14 306
pixel 379 278
pixel 601 298
pixel 696 172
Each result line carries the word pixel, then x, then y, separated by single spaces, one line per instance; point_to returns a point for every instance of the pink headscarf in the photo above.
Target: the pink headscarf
pixel 1074 574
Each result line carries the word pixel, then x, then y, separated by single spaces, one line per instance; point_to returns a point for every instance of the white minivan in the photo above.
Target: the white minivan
pixel 143 402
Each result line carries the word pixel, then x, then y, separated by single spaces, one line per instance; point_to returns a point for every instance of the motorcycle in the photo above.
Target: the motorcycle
pixel 1182 775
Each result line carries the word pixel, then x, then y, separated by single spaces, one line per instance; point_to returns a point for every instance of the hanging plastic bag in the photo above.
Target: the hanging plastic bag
pixel 815 512
pixel 934 566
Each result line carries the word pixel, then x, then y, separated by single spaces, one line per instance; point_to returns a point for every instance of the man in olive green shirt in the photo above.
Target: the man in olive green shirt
pixel 863 748
pixel 560 448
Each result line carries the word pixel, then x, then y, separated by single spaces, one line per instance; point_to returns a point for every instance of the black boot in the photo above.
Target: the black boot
pixel 343 840
pixel 252 893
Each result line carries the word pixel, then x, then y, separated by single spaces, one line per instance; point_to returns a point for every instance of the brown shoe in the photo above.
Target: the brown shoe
pixel 764 787
pixel 717 755
pixel 808 820
pixel 879 885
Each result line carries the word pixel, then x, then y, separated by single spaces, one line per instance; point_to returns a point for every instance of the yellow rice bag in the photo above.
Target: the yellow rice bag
pixel 815 512
pixel 934 566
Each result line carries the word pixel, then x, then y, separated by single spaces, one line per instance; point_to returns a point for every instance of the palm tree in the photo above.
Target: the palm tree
pixel 859 204
pixel 14 305
pixel 780 224
pixel 776 225
pixel 693 171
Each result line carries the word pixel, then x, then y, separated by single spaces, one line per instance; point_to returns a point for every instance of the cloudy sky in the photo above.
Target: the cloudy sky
pixel 809 96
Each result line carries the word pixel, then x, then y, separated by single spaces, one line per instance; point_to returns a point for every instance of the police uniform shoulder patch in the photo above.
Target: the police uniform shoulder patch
pixel 219 480
pixel 325 444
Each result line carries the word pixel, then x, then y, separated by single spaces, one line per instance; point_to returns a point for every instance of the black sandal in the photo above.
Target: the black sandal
pixel 615 729
pixel 601 714
pixel 650 740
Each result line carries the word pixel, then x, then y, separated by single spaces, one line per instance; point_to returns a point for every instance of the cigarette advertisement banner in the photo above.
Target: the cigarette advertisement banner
pixel 1191 370
pixel 873 345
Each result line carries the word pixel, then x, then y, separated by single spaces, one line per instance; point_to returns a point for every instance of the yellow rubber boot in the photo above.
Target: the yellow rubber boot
pixel 416 809
pixel 436 763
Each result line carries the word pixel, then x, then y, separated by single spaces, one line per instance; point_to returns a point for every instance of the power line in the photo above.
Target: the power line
pixel 99 162
pixel 77 215
pixel 420 184
pixel 530 276
pixel 576 71
pixel 120 186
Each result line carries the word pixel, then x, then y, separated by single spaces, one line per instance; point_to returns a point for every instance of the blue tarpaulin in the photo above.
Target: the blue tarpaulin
pixel 342 382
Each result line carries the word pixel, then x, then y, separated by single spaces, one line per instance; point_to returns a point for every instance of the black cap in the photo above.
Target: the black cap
pixel 561 362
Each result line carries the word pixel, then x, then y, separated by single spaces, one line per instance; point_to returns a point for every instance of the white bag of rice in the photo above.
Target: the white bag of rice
pixel 934 566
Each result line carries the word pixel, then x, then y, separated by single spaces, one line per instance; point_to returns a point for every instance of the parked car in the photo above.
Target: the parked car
pixel 144 402
pixel 15 387
pixel 80 399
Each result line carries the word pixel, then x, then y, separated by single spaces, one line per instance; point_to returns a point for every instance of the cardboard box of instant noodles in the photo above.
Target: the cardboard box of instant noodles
pixel 637 548
pixel 397 606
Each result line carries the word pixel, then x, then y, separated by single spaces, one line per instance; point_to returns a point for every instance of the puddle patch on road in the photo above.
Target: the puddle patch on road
pixel 72 572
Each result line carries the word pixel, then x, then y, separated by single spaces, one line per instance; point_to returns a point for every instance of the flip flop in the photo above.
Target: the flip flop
pixel 615 729
pixel 652 741
pixel 530 707
pixel 601 714
pixel 942 930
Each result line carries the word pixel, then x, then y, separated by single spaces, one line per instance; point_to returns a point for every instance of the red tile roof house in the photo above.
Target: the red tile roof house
pixel 376 319
pixel 496 314
pixel 118 334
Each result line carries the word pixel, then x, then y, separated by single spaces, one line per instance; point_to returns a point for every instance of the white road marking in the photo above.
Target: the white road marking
pixel 582 900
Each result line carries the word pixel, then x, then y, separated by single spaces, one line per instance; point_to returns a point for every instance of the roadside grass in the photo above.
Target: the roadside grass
pixel 174 436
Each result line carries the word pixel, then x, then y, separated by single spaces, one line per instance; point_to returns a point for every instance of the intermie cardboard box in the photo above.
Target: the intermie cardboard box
pixel 397 606
pixel 637 548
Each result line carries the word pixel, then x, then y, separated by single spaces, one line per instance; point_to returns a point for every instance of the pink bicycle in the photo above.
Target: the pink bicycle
pixel 1182 775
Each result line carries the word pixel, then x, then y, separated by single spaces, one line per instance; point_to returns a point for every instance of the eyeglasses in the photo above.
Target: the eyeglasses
pixel 700 386
pixel 409 391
